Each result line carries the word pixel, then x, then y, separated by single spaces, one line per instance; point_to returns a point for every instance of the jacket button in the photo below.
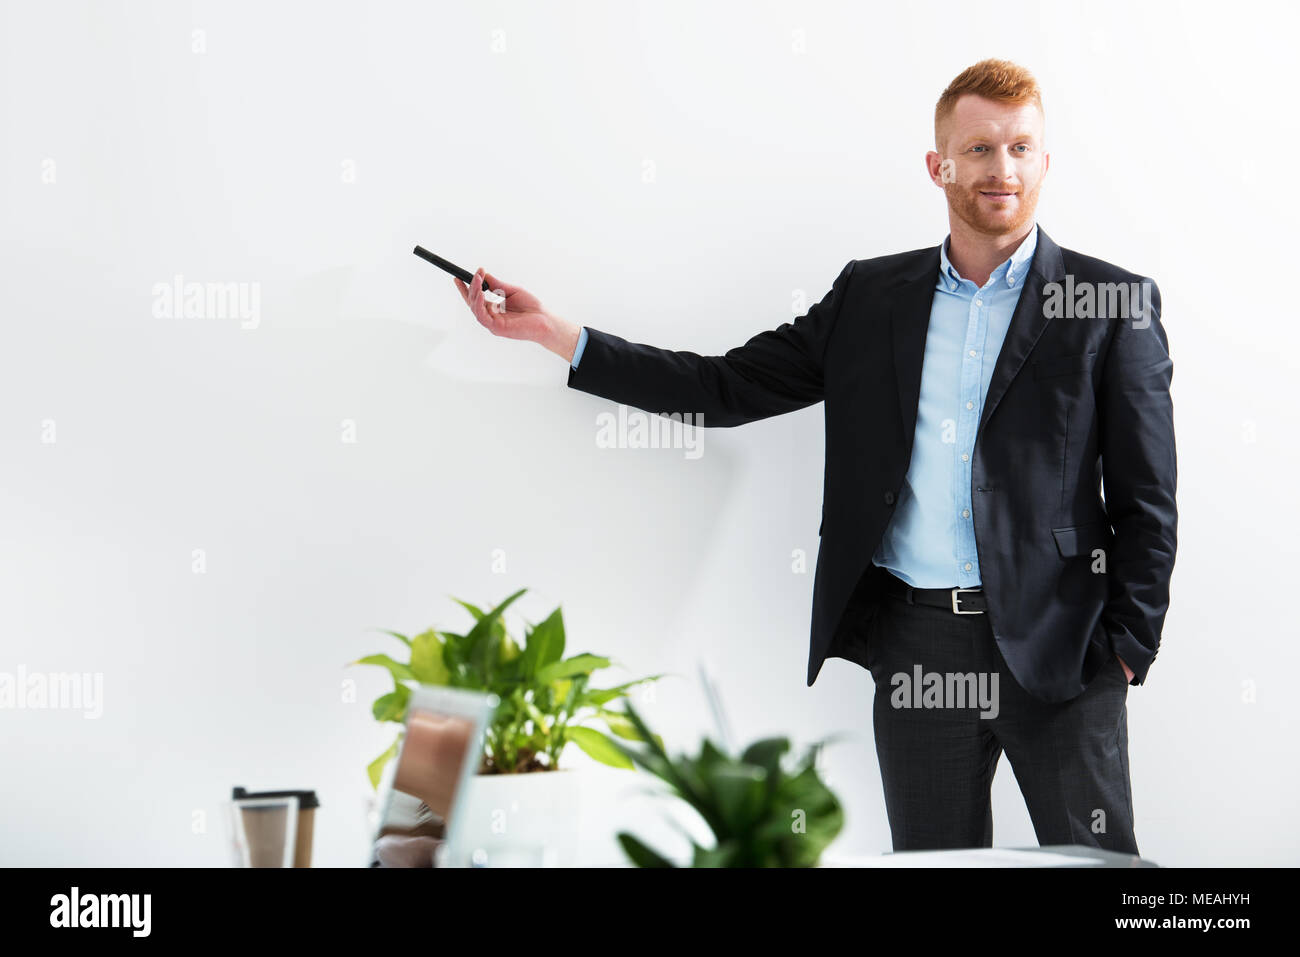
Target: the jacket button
pixel 889 498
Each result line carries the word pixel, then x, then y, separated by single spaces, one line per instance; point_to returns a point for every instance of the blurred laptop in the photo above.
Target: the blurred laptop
pixel 423 788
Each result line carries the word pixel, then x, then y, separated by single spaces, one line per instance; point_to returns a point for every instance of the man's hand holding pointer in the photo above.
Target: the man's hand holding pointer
pixel 519 316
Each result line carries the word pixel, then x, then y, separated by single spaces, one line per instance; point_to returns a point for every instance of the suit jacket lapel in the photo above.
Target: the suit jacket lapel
pixel 1027 323
pixel 910 321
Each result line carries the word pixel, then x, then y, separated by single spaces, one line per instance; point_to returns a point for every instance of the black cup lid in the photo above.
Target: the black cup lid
pixel 306 799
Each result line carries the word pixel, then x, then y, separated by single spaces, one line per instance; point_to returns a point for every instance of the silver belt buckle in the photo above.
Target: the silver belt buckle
pixel 958 611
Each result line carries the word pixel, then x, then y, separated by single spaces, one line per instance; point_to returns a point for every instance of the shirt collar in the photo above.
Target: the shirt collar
pixel 1015 267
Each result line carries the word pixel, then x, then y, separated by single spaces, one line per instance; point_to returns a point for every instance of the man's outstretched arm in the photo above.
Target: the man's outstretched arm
pixel 776 371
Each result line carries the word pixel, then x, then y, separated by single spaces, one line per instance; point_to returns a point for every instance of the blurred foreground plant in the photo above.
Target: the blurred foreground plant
pixel 761 814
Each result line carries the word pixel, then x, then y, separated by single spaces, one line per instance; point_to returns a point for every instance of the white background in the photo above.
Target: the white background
pixel 784 140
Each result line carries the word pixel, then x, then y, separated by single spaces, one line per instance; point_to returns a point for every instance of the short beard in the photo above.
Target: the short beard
pixel 965 203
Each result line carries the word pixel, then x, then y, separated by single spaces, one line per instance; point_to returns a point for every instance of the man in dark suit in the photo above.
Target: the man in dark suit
pixel 977 396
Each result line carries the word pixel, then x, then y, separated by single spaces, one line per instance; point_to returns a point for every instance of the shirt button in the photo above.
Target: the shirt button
pixel 979 302
pixel 968 566
pixel 889 498
pixel 972 353
pixel 970 405
pixel 965 457
pixel 965 513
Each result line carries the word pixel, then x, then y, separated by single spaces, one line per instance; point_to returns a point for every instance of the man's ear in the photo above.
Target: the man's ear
pixel 932 158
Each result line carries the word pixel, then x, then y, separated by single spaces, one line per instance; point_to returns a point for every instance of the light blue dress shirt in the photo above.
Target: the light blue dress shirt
pixel 582 344
pixel 930 539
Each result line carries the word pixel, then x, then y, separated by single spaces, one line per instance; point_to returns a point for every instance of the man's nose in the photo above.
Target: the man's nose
pixel 1004 168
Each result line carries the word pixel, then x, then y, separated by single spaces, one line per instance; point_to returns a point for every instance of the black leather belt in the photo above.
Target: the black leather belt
pixel 959 601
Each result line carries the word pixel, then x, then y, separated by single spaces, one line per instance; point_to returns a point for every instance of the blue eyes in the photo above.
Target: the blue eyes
pixel 1021 147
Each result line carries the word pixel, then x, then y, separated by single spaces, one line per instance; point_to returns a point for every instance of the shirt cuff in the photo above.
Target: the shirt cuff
pixel 582 343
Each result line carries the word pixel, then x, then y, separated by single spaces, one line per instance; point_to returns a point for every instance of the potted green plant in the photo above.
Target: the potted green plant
pixel 547 703
pixel 761 814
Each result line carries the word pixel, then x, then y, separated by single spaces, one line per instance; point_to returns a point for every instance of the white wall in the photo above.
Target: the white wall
pixel 1169 126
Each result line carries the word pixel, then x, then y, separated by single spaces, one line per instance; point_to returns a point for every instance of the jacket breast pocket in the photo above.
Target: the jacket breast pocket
pixel 1064 365
pixel 1076 540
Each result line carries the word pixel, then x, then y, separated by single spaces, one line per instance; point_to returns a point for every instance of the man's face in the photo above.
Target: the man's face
pixel 993 164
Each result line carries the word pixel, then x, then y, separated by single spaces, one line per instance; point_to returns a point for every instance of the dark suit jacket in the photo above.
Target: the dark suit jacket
pixel 1071 578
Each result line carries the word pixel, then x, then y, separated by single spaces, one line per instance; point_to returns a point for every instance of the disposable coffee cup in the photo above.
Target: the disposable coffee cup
pixel 265 831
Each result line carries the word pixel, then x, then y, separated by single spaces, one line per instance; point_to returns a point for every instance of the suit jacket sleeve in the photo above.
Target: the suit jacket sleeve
pixel 776 371
pixel 1139 471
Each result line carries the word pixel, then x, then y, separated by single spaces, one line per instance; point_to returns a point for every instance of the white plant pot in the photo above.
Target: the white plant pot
pixel 523 820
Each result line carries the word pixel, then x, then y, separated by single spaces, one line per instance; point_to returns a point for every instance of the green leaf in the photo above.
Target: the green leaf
pixel 751 805
pixel 724 855
pixel 711 757
pixel 680 775
pixel 766 753
pixel 810 753
pixel 509 650
pixel 738 794
pixel 598 746
pixel 399 671
pixel 472 609
pixel 400 637
pixel 455 651
pixel 539 719
pixel 577 665
pixel 656 743
pixel 484 656
pixel 659 767
pixel 427 665
pixel 622 726
pixel 544 644
pixel 602 696
pixel 483 643
pixel 639 854
pixel 392 706
pixel 485 621
pixel 375 768
pixel 559 691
